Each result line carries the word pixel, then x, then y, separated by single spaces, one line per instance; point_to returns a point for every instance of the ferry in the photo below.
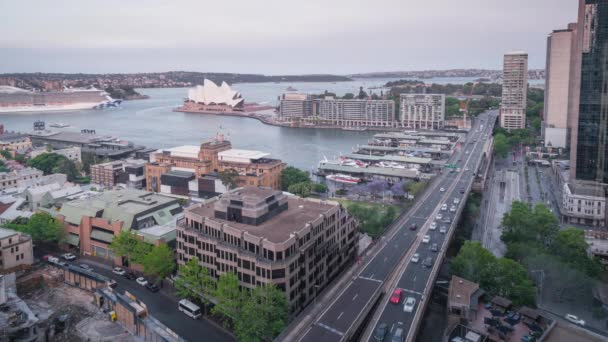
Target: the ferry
pixel 59 125
pixel 290 88
pixel 340 178
pixel 356 129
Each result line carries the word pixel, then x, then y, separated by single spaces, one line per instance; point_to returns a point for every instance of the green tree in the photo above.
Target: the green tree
pixel 516 223
pixel 570 246
pixel 413 187
pixel 41 226
pixel 20 158
pixel 348 96
pixel 501 147
pixel 472 262
pixel 6 154
pixel 229 297
pixel 159 262
pixel 229 178
pixel 54 163
pixel 125 244
pixel 545 224
pixel 194 282
pixel 302 189
pixel 319 188
pixel 291 175
pixel 263 316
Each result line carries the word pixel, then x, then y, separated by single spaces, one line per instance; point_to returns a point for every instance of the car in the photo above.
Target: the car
pixel 439 216
pixel 441 189
pixel 467 152
pixel 466 169
pixel 462 190
pixel 456 200
pixel 141 281
pixel 86 267
pixel 69 256
pixel 575 319
pixel 47 257
pixel 433 225
pixel 380 331
pixel 444 207
pixel 458 170
pixel 428 262
pixel 396 296
pixel 447 219
pixel 453 209
pixel 426 239
pixel 434 247
pixel 112 283
pixel 413 226
pixel 408 305
pixel 130 275
pixel 415 258
pixel 152 287
pixel 118 271
pixel 443 229
pixel 398 333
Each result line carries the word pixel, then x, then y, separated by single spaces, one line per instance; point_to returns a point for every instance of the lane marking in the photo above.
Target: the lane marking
pixel 412 291
pixel 370 279
pixel 355 297
pixel 327 327
pixel 340 315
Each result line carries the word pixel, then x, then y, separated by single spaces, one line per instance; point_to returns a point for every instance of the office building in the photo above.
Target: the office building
pixel 129 173
pixel 293 106
pixel 16 250
pixel 557 87
pixel 423 111
pixel 355 112
pixel 514 90
pixel 91 223
pixel 267 237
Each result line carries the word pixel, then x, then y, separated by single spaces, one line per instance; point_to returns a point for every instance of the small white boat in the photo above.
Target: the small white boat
pixel 59 125
pixel 340 178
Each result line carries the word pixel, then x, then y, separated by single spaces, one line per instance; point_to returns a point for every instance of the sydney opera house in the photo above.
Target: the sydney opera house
pixel 210 97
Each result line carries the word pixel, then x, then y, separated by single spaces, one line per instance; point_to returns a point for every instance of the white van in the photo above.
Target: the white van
pixel 190 309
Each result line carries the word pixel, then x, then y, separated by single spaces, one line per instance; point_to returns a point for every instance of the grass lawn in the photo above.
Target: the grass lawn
pixel 374 217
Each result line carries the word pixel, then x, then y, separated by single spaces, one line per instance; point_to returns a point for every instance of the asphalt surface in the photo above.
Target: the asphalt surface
pixel 336 322
pixel 163 306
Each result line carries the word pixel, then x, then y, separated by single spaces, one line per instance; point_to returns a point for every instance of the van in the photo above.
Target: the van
pixel 189 309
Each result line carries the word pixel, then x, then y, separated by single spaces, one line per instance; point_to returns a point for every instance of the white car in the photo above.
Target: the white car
pixel 443 229
pixel 466 169
pixel 69 256
pixel 409 304
pixel 441 189
pixel 433 225
pixel 426 239
pixel 118 271
pixel 458 170
pixel 416 258
pixel 575 319
pixel 453 209
pixel 142 281
pixel 444 207
pixel 456 200
pixel 439 216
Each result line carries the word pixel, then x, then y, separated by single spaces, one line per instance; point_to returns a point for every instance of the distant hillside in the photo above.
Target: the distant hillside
pixel 481 73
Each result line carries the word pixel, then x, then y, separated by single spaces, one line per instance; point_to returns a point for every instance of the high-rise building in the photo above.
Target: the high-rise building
pixel 295 106
pixel 422 111
pixel 557 87
pixel 514 90
pixel 266 237
pixel 592 132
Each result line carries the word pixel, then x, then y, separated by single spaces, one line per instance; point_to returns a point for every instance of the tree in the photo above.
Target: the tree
pixel 472 262
pixel 291 175
pixel 6 154
pixel 501 147
pixel 516 223
pixel 545 223
pixel 264 315
pixel 159 262
pixel 377 187
pixel 319 188
pixel 125 244
pixel 194 282
pixel 20 158
pixel 362 94
pixel 413 187
pixel 398 189
pixel 570 246
pixel 229 178
pixel 229 297
pixel 41 226
pixel 54 163
pixel 348 96
pixel 302 189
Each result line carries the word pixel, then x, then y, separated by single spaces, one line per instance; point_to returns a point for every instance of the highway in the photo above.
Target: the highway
pixel 342 317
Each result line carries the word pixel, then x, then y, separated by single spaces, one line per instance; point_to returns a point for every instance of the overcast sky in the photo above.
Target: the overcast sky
pixel 273 36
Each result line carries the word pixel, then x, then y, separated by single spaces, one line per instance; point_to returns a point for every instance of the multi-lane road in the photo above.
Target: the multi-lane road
pixel 342 317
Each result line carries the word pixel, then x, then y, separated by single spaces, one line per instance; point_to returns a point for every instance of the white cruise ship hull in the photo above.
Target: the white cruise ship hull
pixel 49 108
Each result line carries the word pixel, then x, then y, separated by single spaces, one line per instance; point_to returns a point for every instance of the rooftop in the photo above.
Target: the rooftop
pixel 586 189
pixel 276 229
pixel 461 291
pixel 4 233
pixel 245 154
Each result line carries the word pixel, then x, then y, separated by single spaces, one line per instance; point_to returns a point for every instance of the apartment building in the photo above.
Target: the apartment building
pixel 12 178
pixel 423 111
pixel 129 173
pixel 266 237
pixel 293 106
pixel 514 90
pixel 355 112
pixel 16 249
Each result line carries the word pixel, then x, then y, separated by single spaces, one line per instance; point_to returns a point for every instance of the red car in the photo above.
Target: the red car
pixel 46 257
pixel 396 297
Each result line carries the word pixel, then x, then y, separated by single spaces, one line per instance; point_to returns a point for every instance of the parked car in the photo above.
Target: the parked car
pixel 426 239
pixel 141 281
pixel 428 262
pixel 396 296
pixel 118 271
pixel 443 229
pixel 408 305
pixel 416 258
pixel 433 225
pixel 575 319
pixel 130 275
pixel 413 226
pixel 69 256
pixel 380 331
pixel 434 247
pixel 152 287
pixel 86 267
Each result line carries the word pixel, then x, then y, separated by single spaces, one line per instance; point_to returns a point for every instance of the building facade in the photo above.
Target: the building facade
pixel 557 87
pixel 16 249
pixel 355 112
pixel 584 203
pixel 12 178
pixel 266 237
pixel 422 111
pixel 293 106
pixel 514 90
pixel 129 173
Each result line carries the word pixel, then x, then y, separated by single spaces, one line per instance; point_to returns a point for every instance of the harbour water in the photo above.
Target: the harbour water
pixel 153 123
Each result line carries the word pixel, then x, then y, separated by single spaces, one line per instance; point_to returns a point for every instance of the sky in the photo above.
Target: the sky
pixel 273 37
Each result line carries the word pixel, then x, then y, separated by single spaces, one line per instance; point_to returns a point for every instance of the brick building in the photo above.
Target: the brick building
pixel 266 237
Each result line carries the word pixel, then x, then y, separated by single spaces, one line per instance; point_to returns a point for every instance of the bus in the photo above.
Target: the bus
pixel 190 309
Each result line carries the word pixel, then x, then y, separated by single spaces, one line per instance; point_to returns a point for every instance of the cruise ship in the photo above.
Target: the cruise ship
pixel 20 100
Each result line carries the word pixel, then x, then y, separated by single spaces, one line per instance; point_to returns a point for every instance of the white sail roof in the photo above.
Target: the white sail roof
pixel 209 93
